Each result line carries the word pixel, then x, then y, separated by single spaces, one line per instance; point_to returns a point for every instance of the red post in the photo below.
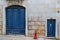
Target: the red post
pixel 35 35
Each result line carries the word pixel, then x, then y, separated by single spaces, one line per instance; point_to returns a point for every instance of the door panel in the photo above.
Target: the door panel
pixel 51 23
pixel 15 20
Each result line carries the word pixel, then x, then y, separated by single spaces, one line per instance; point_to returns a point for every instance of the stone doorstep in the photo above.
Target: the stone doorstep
pixel 20 37
pixel 14 37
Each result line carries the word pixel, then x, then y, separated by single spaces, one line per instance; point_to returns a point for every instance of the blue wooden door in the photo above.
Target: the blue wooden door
pixel 51 24
pixel 15 20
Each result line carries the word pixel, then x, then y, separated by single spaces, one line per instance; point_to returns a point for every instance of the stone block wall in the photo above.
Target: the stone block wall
pixel 1 19
pixel 45 9
pixel 36 24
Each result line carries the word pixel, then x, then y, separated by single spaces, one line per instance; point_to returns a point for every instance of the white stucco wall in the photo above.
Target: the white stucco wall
pixel 44 9
pixel 41 8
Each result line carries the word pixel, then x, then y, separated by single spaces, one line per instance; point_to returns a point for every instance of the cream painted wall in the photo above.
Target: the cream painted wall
pixel 41 8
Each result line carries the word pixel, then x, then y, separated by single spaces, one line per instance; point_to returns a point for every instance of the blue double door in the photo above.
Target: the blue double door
pixel 51 27
pixel 15 20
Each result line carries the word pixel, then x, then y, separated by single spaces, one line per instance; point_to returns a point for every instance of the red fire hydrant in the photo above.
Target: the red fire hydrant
pixel 35 35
